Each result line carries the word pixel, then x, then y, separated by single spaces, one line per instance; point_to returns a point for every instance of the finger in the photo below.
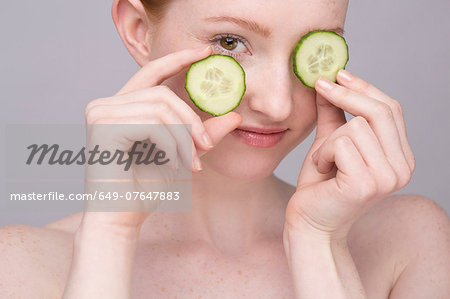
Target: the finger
pixel 158 70
pixel 366 142
pixel 167 100
pixel 352 176
pixel 357 84
pixel 129 130
pixel 218 127
pixel 154 110
pixel 378 115
pixel 329 117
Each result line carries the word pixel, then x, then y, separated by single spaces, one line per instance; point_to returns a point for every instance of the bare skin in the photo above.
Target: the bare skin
pixel 412 236
pixel 250 234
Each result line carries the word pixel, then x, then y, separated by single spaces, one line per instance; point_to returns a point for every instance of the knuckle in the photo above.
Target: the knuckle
pixel 404 175
pixel 92 115
pixel 358 122
pixel 161 106
pixel 383 110
pixel 364 85
pixel 342 142
pixel 396 107
pixel 92 109
pixel 163 89
pixel 89 106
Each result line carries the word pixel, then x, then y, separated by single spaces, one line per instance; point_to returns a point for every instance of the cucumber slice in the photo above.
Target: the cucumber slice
pixel 318 54
pixel 216 84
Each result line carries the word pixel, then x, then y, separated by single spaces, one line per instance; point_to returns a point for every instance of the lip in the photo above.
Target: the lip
pixel 259 137
pixel 262 130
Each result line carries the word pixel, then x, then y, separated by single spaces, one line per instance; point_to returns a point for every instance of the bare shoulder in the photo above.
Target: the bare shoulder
pixel 35 257
pixel 410 232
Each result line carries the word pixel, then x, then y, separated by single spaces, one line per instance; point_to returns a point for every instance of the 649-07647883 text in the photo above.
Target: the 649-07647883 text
pixel 97 195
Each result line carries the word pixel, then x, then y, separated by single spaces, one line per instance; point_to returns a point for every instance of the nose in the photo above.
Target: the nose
pixel 270 89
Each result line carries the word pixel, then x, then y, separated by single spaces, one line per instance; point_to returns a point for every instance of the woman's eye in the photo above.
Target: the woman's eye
pixel 229 43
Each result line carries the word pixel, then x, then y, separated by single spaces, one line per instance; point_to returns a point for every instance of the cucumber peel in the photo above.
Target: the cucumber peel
pixel 216 84
pixel 320 53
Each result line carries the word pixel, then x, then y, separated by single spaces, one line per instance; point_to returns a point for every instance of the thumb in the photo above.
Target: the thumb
pixel 329 117
pixel 218 127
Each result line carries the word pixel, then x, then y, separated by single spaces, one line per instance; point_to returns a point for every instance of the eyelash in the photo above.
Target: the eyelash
pixel 215 41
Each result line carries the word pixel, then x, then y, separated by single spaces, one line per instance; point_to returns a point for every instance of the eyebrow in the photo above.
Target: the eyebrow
pixel 250 25
pixel 255 27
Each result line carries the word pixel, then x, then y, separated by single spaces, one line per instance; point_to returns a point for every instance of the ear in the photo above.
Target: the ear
pixel 133 27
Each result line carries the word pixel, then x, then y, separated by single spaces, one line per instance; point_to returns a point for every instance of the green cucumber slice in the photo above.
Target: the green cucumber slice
pixel 216 84
pixel 320 53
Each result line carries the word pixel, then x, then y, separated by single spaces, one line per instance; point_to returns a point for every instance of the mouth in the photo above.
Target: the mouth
pixel 259 136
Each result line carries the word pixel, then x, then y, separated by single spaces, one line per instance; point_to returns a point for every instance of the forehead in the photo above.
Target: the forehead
pixel 280 16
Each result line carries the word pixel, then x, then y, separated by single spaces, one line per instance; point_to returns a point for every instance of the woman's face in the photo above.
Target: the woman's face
pixel 261 35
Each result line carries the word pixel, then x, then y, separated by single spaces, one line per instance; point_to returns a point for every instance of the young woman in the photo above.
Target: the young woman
pixel 339 233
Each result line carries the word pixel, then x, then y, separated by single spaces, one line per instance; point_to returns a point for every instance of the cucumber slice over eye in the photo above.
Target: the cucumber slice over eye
pixel 320 53
pixel 216 84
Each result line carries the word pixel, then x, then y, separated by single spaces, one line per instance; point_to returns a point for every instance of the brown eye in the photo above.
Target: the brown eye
pixel 228 43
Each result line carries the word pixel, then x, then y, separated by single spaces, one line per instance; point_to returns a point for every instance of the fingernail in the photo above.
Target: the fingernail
pixel 346 76
pixel 324 84
pixel 207 140
pixel 197 164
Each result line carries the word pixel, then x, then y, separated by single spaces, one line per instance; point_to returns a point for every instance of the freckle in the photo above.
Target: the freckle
pixel 165 225
pixel 178 254
pixel 9 244
pixel 212 272
pixel 163 289
pixel 239 272
pixel 191 290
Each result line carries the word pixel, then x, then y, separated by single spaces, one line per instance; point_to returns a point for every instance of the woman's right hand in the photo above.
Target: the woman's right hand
pixel 143 100
pixel 105 242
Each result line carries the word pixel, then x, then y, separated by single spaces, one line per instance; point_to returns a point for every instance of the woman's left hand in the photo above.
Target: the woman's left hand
pixel 351 164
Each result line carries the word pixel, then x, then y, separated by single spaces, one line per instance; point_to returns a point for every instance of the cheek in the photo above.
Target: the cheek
pixel 305 112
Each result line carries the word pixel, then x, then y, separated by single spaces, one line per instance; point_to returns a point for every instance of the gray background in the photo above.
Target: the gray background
pixel 59 55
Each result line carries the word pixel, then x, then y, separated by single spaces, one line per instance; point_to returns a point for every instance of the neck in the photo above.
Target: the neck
pixel 232 214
